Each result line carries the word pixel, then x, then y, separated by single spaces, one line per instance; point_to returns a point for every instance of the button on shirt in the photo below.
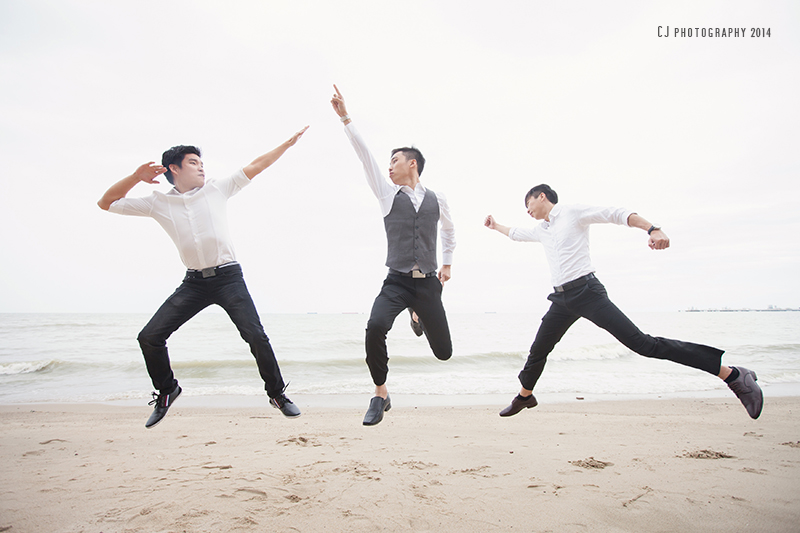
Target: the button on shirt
pixel 385 191
pixel 566 237
pixel 196 221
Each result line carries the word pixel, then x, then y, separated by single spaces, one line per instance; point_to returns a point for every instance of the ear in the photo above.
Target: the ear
pixel 174 168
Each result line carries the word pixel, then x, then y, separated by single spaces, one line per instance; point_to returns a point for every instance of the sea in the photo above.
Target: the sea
pixel 94 358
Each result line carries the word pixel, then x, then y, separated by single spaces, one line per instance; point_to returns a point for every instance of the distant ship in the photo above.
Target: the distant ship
pixel 769 309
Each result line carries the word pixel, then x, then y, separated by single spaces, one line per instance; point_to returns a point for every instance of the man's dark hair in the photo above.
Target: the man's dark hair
pixel 174 156
pixel 412 153
pixel 539 189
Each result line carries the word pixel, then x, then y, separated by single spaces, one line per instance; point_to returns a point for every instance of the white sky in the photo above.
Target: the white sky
pixel 695 134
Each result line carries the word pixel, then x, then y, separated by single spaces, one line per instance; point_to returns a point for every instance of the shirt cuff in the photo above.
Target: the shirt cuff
pixel 116 207
pixel 447 258
pixel 240 178
pixel 627 213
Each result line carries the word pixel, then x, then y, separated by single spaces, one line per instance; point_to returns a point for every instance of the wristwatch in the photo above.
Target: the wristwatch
pixel 652 229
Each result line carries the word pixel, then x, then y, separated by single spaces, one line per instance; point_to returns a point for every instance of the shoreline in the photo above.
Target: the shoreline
pixel 325 401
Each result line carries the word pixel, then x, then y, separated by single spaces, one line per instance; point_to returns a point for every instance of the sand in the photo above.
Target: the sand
pixel 633 466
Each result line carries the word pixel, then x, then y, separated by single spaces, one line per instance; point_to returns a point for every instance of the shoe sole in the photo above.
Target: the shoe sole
pixel 760 394
pixel 519 411
pixel 281 410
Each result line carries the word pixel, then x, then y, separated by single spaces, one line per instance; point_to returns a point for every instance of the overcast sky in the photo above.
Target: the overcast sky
pixel 696 134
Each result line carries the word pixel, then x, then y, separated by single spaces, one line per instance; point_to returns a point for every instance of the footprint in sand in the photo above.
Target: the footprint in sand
pixel 415 465
pixel 51 440
pixel 300 441
pixel 706 454
pixel 591 463
pixel 33 452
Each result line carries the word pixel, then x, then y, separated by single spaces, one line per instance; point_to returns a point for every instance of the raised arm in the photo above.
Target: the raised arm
pixel 338 105
pixel 383 189
pixel 658 239
pixel 491 223
pixel 260 163
pixel 146 173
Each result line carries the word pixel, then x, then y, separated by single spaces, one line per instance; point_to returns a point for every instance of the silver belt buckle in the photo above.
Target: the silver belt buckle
pixel 209 272
pixel 417 274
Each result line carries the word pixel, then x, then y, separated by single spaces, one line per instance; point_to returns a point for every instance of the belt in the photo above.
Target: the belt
pixel 583 280
pixel 412 274
pixel 209 272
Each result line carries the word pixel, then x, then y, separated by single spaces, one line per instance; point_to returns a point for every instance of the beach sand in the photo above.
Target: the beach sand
pixel 612 466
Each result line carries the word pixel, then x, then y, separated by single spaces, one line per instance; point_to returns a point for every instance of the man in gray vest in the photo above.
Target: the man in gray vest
pixel 411 215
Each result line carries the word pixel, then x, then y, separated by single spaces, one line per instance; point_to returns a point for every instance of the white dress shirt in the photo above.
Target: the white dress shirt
pixel 566 237
pixel 385 191
pixel 196 221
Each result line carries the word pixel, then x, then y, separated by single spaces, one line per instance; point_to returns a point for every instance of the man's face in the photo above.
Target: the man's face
pixel 537 206
pixel 190 174
pixel 400 168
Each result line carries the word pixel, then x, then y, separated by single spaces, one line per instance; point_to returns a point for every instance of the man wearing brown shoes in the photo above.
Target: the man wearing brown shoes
pixel 564 233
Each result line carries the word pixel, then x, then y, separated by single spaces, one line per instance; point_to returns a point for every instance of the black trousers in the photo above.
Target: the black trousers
pixel 228 290
pixel 424 296
pixel 591 301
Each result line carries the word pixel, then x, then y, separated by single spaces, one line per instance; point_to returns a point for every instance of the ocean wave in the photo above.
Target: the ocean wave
pixel 770 349
pixel 26 367
pixel 201 364
pixel 787 377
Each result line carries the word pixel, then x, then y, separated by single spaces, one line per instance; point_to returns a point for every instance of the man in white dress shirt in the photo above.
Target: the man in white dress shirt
pixel 194 214
pixel 411 213
pixel 564 233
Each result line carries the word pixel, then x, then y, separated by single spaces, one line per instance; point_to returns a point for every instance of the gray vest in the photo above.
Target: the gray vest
pixel 411 234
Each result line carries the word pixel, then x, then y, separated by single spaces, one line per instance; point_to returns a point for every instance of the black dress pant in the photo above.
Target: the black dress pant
pixel 424 296
pixel 590 301
pixel 228 290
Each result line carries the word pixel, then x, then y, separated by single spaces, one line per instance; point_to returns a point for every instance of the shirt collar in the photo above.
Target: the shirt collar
pixel 175 192
pixel 420 187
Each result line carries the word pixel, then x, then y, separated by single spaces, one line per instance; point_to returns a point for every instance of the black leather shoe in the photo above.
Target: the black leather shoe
pixel 289 409
pixel 162 402
pixel 518 404
pixel 377 406
pixel 416 325
pixel 748 391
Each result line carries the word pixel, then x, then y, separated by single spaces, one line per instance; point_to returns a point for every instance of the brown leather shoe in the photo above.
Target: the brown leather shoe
pixel 518 405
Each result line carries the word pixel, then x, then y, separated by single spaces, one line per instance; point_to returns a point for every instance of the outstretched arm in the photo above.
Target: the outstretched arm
pixel 260 163
pixel 146 173
pixel 491 223
pixel 658 239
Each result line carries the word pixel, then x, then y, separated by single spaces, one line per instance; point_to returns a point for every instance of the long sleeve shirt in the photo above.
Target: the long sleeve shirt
pixel 196 221
pixel 385 191
pixel 565 237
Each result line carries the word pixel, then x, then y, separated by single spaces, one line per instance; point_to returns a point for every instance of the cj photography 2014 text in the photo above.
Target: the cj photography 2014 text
pixel 681 32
